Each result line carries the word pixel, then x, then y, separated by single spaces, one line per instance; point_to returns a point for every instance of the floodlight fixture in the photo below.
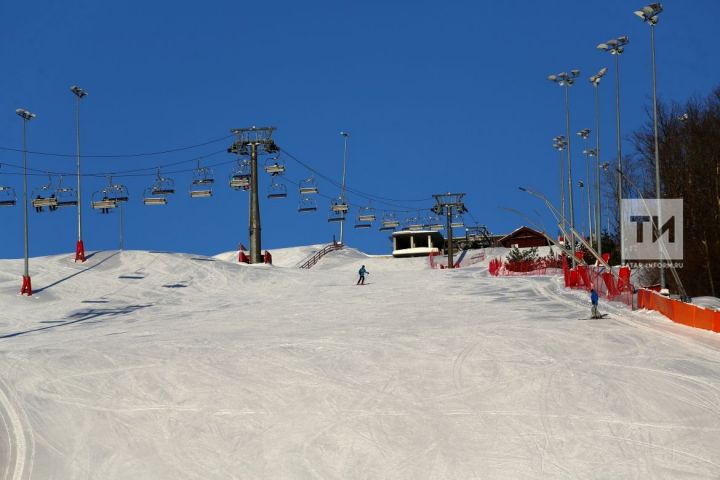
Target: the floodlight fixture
pixel 26 115
pixel 649 14
pixel 615 46
pixel 79 92
pixel 595 79
pixel 584 133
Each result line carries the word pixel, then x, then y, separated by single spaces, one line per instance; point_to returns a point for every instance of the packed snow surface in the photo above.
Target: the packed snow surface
pixel 150 365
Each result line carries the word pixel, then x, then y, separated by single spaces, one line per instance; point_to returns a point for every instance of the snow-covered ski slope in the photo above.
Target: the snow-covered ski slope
pixel 142 365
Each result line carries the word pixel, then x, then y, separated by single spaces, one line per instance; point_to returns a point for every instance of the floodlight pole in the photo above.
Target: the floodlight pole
pixel 27 283
pixel 559 144
pixel 569 159
pixel 657 148
pixel 585 134
pixel 619 152
pixel 649 14
pixel 616 47
pixel 342 188
pixel 566 80
pixel 595 80
pixel 80 247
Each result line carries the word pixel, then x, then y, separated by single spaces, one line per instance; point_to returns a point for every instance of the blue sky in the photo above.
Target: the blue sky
pixel 437 96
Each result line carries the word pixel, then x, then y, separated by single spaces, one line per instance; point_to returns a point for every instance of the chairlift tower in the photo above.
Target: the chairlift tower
pixel 447 203
pixel 254 140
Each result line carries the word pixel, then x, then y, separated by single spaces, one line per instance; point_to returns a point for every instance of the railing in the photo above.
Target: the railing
pixel 331 247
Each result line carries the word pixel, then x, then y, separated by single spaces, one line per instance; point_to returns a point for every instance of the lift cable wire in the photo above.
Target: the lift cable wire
pixel 348 189
pixel 124 155
pixel 119 173
pixel 395 208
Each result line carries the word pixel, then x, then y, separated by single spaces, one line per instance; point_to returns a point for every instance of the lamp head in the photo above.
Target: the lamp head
pixel 649 14
pixel 25 114
pixel 79 92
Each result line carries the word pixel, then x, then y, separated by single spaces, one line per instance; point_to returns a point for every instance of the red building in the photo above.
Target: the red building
pixel 523 237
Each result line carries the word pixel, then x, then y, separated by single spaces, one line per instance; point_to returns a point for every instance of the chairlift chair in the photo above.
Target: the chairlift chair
pixel 308 186
pixel 119 193
pixel 102 200
pixel 240 177
pixel 44 196
pixel 413 224
pixel 66 196
pixel 338 210
pixel 277 190
pixel 274 166
pixel 203 176
pixel 389 222
pixel 434 223
pixel 457 221
pixel 366 215
pixel 162 186
pixel 7 197
pixel 307 204
pixel 201 186
pixel 201 192
pixel 339 206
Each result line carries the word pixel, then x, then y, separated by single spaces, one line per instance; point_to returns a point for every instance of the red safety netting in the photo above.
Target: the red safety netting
pixel 614 287
pixel 540 266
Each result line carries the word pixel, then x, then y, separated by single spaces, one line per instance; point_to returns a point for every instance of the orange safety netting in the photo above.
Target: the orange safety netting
pixel 680 312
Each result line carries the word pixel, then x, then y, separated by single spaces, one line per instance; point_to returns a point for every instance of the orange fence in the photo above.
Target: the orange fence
pixel 680 312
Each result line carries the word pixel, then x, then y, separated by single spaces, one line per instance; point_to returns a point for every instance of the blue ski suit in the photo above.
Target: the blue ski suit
pixel 362 273
pixel 594 300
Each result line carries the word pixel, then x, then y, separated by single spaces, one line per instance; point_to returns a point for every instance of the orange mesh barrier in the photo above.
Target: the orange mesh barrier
pixel 680 312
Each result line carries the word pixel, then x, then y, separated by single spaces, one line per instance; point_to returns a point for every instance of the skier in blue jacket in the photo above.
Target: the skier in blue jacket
pixel 362 272
pixel 594 300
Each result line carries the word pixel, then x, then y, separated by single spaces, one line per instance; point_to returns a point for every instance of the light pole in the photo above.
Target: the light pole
pixel 26 283
pixel 345 136
pixel 565 79
pixel 595 80
pixel 559 144
pixel 616 47
pixel 80 247
pixel 649 15
pixel 585 134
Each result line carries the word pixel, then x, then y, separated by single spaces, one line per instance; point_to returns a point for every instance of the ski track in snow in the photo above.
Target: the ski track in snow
pixel 157 365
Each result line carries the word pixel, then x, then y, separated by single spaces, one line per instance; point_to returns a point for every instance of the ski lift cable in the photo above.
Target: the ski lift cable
pixel 123 155
pixel 359 193
pixel 396 208
pixel 126 173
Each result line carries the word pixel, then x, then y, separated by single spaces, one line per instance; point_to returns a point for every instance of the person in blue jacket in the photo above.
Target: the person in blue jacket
pixel 362 272
pixel 594 300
